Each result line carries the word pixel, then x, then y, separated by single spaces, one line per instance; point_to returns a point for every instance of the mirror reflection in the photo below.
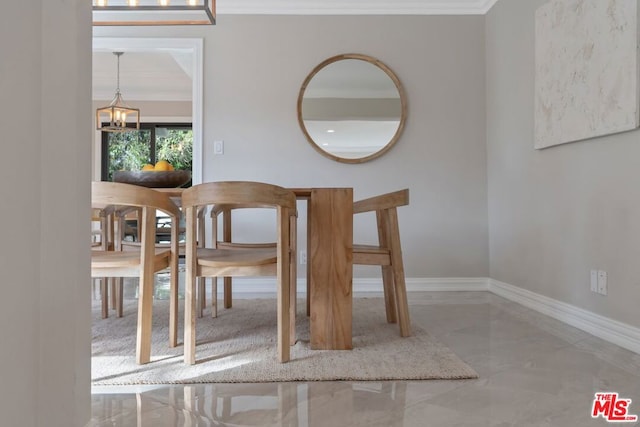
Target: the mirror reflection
pixel 352 108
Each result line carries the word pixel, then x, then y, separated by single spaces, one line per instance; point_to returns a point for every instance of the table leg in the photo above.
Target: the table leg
pixel 330 267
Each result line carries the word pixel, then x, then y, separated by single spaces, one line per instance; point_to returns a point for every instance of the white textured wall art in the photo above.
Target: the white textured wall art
pixel 586 69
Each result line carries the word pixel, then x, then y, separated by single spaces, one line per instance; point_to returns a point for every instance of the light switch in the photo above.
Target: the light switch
pixel 218 147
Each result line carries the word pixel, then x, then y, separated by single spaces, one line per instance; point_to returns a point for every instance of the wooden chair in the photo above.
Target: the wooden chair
pixel 387 254
pixel 142 262
pixel 241 261
pixel 111 220
pixel 226 242
pixel 102 240
pixel 163 241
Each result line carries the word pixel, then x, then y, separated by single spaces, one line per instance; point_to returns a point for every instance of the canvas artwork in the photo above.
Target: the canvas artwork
pixel 586 70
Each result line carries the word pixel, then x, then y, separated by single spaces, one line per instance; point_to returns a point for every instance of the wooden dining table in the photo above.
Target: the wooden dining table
pixel 329 264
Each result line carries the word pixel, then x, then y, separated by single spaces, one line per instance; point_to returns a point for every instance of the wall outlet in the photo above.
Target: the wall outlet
pixel 594 281
pixel 303 257
pixel 602 282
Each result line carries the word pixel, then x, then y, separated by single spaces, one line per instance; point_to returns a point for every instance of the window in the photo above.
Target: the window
pixel 172 142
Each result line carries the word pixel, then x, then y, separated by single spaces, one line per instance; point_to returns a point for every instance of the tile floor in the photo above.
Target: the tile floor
pixel 534 371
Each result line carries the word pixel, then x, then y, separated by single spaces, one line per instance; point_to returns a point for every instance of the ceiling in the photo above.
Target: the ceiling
pixel 144 76
pixel 164 75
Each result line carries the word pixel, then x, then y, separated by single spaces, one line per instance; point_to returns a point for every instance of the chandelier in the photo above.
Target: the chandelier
pixel 154 12
pixel 113 117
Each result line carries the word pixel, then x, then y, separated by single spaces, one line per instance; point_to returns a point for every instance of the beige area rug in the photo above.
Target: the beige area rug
pixel 240 346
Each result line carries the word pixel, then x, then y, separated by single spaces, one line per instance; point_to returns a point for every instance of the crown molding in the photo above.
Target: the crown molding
pixel 487 5
pixel 354 7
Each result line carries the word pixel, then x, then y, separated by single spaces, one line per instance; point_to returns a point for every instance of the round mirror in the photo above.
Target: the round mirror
pixel 352 108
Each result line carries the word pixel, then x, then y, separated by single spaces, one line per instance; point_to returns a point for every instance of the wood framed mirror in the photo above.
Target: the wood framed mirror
pixel 352 108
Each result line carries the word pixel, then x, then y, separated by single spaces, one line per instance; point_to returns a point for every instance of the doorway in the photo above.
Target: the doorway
pixel 172 78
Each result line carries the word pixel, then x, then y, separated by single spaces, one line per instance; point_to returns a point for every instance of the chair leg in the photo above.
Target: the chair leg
pixel 116 235
pixel 145 298
pixel 227 292
pixel 293 281
pixel 214 297
pixel 398 274
pixel 403 306
pixel 119 285
pixel 104 291
pixel 284 349
pixel 190 320
pixel 284 288
pixel 226 235
pixel 202 299
pixel 202 281
pixel 389 294
pixel 113 297
pixel 387 272
pixel 145 307
pixel 190 291
pixel 173 298
pixel 292 313
pixel 401 300
pixel 203 285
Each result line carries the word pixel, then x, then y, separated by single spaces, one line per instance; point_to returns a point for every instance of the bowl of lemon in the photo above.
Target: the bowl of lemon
pixel 160 175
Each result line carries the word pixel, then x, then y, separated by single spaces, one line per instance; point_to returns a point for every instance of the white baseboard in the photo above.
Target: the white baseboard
pixel 618 333
pixel 425 284
pixel 268 284
pixel 610 330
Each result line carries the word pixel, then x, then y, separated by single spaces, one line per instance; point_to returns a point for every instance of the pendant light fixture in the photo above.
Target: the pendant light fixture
pixel 113 117
pixel 154 12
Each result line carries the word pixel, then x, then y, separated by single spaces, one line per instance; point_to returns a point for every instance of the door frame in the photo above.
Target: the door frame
pixel 194 46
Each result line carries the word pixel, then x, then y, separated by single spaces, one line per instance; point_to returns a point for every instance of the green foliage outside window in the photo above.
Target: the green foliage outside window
pixel 129 151
pixel 132 150
pixel 176 148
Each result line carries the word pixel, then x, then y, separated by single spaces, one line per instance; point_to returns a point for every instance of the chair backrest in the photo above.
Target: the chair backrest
pixel 226 196
pixel 246 194
pixel 382 202
pixel 126 195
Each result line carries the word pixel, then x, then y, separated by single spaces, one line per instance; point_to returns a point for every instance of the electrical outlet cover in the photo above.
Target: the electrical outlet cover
pixel 602 282
pixel 594 280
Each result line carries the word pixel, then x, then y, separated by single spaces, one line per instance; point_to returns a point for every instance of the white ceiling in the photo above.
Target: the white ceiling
pixel 161 75
pixel 144 76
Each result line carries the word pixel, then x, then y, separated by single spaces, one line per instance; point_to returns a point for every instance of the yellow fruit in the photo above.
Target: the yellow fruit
pixel 162 165
pixel 170 167
pixel 148 167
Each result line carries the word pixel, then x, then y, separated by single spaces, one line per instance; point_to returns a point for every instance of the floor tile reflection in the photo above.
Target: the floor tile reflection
pixel 534 371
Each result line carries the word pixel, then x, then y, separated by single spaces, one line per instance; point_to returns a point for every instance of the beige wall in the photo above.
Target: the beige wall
pixel 45 113
pixel 254 66
pixel 557 213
